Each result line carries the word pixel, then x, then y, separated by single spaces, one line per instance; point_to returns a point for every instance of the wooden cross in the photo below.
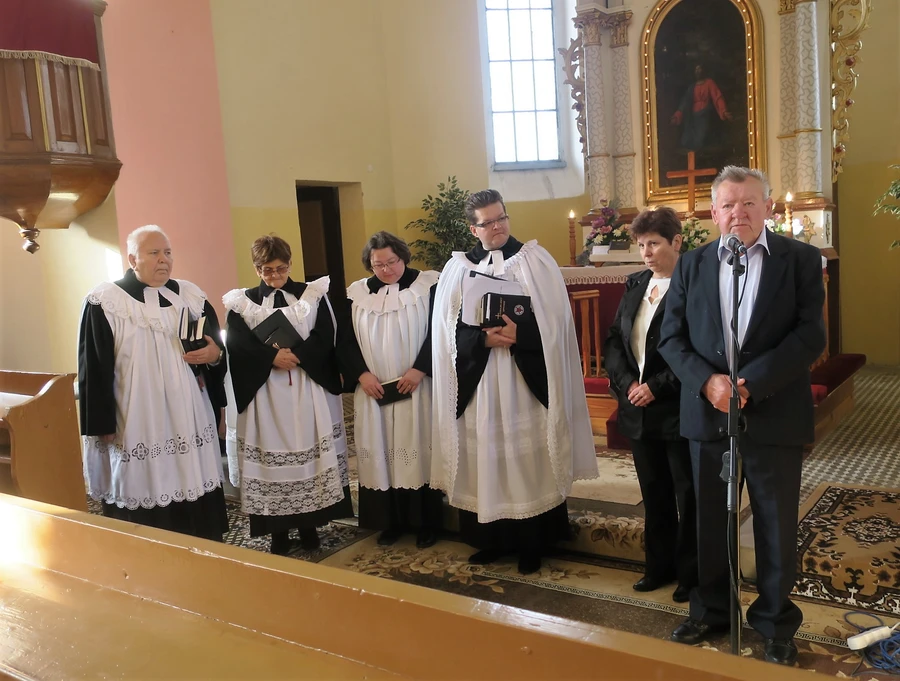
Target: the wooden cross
pixel 691 174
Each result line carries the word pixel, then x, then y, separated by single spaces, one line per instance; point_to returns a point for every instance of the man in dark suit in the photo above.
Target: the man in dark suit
pixel 648 395
pixel 781 332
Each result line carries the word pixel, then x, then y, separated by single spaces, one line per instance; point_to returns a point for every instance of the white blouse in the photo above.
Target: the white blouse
pixel 643 318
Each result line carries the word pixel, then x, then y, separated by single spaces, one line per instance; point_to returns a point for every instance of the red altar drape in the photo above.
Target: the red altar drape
pixel 56 30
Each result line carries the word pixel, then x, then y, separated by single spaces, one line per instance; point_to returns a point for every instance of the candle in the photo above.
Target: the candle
pixel 572 262
pixel 788 215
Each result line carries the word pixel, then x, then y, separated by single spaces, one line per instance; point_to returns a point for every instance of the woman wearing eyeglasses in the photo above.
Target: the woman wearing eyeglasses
pixel 388 339
pixel 291 447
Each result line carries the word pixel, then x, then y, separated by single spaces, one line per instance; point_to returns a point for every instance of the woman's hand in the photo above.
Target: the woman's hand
pixel 410 381
pixel 285 359
pixel 371 385
pixel 640 395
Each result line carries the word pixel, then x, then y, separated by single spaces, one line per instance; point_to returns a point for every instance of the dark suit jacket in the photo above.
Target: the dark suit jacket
pixel 659 419
pixel 785 336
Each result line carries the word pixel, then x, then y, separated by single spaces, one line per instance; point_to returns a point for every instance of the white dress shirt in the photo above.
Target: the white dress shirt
pixel 642 321
pixel 749 286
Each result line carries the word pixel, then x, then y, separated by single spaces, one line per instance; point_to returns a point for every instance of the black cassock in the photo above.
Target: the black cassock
pixel 391 508
pixel 205 517
pixel 539 532
pixel 250 362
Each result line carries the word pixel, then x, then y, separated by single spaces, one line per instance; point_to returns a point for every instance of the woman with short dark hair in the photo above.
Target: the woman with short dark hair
pixel 387 340
pixel 291 447
pixel 648 393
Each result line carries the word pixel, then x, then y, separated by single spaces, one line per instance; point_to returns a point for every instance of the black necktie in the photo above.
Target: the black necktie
pixel 279 299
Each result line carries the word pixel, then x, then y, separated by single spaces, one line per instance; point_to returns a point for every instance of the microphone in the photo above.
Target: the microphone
pixel 734 244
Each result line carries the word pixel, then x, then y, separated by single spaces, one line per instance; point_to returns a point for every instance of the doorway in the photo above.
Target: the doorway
pixel 319 213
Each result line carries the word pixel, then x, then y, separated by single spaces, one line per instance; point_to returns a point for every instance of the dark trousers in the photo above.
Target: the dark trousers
pixel 772 475
pixel 670 513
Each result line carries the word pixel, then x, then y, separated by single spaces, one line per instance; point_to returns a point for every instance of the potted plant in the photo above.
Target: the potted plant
pixel 887 203
pixel 446 223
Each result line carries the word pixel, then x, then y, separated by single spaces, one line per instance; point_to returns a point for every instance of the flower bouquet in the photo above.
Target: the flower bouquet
pixel 607 228
pixel 693 234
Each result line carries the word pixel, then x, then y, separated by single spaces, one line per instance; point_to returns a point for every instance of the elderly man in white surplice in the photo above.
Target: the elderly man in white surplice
pixel 148 408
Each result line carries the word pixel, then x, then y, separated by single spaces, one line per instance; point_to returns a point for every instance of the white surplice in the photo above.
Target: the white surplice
pixel 393 442
pixel 507 456
pixel 166 447
pixel 291 446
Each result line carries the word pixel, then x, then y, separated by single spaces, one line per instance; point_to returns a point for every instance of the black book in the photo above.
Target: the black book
pixel 191 331
pixel 277 331
pixel 495 305
pixel 392 393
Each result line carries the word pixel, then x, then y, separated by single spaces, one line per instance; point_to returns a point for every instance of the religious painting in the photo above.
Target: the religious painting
pixel 703 93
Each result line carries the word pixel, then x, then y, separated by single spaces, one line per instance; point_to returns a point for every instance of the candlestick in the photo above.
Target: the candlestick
pixel 572 262
pixel 788 215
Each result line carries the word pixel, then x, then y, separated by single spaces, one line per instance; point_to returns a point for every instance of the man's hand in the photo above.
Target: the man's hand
pixel 205 355
pixel 371 385
pixel 640 395
pixel 285 359
pixel 494 338
pixel 717 390
pixel 510 329
pixel 410 381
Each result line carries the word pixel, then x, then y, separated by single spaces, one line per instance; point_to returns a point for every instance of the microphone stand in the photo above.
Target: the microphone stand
pixel 732 475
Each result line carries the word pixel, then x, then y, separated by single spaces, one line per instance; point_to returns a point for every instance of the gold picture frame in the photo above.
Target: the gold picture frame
pixel 666 85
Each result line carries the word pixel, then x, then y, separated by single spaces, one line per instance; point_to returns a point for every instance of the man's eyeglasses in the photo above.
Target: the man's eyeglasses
pixel 268 271
pixel 385 266
pixel 502 220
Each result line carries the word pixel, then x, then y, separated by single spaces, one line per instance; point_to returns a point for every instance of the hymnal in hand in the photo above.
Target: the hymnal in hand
pixel 191 331
pixel 392 393
pixel 277 332
pixel 495 305
pixel 475 287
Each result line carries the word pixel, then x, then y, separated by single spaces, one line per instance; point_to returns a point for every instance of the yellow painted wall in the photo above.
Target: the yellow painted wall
pixel 41 295
pixel 383 98
pixel 870 275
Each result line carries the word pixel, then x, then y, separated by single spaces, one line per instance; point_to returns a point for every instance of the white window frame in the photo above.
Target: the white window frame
pixel 561 128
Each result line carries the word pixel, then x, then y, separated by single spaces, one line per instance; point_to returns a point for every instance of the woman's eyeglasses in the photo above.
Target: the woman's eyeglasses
pixel 385 266
pixel 268 271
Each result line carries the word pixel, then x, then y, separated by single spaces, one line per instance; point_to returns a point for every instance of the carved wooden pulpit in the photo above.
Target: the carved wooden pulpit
pixel 57 156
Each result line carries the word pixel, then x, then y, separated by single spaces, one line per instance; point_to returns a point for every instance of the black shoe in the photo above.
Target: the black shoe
pixel 693 631
pixel 389 537
pixel 486 556
pixel 682 594
pixel 529 563
pixel 309 539
pixel 647 583
pixel 426 538
pixel 282 544
pixel 781 651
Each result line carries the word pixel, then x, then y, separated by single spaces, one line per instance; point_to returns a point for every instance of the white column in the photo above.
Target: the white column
pixel 624 154
pixel 600 178
pixel 788 124
pixel 809 118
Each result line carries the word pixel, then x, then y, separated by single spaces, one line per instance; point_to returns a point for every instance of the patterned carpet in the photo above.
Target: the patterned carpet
pixel 848 548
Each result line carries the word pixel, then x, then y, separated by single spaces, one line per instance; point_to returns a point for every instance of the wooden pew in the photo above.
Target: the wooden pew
pixel 40 448
pixel 154 604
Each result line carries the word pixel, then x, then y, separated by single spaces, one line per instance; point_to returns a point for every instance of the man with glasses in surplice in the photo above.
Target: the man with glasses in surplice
pixel 511 426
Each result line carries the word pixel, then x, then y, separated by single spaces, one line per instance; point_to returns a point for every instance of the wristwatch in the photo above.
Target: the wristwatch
pixel 218 359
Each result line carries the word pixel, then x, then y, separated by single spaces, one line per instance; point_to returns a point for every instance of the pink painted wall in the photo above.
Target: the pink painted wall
pixel 167 123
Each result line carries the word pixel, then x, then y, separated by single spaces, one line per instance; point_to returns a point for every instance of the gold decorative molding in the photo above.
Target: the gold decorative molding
pixel 629 155
pixel 592 21
pixel 849 18
pixel 756 104
pixel 786 6
pixel 573 68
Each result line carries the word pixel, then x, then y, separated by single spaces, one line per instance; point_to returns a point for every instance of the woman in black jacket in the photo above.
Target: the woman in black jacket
pixel 649 394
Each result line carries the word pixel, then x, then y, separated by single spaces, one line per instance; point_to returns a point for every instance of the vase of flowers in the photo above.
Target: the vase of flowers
pixel 606 228
pixel 802 227
pixel 693 234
